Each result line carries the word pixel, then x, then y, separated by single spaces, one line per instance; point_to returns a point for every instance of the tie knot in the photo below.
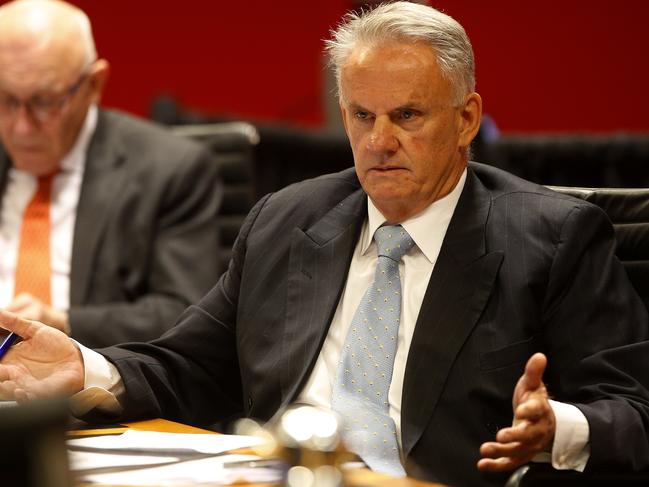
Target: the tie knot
pixel 393 241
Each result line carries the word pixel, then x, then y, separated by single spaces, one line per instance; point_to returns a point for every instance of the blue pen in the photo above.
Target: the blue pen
pixel 7 343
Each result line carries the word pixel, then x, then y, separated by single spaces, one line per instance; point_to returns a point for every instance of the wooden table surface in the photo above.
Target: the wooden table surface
pixel 354 478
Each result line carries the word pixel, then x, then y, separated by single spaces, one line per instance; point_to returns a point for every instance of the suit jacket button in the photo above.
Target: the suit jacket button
pixel 249 403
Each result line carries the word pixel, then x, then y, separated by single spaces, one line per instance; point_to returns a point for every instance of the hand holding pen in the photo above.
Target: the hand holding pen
pixel 46 363
pixel 7 343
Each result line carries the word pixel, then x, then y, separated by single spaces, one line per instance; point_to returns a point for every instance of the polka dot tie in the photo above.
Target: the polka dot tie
pixel 360 393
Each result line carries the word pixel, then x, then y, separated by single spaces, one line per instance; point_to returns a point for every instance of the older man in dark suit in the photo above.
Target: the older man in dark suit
pixel 126 206
pixel 420 296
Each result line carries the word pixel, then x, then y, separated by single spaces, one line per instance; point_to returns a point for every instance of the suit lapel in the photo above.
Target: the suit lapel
pixel 456 295
pixel 318 265
pixel 99 189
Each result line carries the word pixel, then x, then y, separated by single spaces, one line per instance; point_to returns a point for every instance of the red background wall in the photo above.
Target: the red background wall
pixel 552 66
pixel 560 65
pixel 253 59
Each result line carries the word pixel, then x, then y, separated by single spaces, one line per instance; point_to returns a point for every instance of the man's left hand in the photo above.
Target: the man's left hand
pixel 31 308
pixel 533 428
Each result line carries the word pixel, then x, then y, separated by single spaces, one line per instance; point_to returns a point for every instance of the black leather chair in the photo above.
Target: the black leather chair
pixel 628 209
pixel 286 155
pixel 233 145
pixel 619 160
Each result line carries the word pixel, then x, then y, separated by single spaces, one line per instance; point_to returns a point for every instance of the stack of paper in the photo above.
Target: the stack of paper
pixel 152 458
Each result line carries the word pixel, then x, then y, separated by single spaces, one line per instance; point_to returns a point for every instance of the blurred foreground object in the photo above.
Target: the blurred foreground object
pixel 32 445
pixel 307 439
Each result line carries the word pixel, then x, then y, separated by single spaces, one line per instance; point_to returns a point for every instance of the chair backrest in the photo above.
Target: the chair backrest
pixel 232 144
pixel 628 209
pixel 618 161
pixel 286 155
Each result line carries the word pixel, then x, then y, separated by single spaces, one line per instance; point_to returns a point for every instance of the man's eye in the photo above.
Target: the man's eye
pixel 361 115
pixel 8 100
pixel 43 103
pixel 408 114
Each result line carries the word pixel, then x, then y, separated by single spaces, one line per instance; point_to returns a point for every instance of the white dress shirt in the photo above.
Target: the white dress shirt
pixel 66 187
pixel 415 268
pixel 427 229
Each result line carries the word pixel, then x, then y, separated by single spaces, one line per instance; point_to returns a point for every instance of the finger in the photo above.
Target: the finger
pixel 20 302
pixel 32 311
pixel 492 449
pixel 22 395
pixel 529 434
pixel 534 408
pixel 20 326
pixel 5 373
pixel 7 388
pixel 533 376
pixel 501 464
pixel 515 452
pixel 19 389
pixel 16 306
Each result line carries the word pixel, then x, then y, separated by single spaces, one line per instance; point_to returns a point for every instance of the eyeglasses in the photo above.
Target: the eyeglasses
pixel 41 107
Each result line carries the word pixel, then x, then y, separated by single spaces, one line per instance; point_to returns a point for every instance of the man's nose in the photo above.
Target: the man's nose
pixel 23 121
pixel 383 138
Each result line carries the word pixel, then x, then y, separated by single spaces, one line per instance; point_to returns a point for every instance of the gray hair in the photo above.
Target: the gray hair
pixel 409 22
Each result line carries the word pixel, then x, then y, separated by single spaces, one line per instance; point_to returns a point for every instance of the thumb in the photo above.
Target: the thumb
pixel 14 323
pixel 19 302
pixel 532 378
pixel 534 370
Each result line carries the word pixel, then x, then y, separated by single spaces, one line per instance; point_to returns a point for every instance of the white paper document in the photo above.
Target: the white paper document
pixel 212 470
pixel 153 458
pixel 153 441
pixel 86 460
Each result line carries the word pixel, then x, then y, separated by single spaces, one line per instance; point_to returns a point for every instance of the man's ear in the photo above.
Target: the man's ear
pixel 98 78
pixel 470 116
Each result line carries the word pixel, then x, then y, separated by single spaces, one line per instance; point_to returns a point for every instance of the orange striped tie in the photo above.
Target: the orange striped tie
pixel 33 269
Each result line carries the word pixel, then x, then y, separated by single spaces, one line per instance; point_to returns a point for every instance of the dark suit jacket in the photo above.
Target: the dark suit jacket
pixel 521 269
pixel 145 239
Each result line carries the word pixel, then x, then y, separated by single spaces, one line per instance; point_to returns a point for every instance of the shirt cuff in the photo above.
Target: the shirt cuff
pixel 102 385
pixel 570 449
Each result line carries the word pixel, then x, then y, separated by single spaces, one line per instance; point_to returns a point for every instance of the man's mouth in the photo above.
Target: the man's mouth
pixel 28 147
pixel 386 168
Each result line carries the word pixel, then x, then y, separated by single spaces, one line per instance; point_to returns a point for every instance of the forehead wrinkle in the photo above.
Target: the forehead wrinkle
pixel 398 95
pixel 405 74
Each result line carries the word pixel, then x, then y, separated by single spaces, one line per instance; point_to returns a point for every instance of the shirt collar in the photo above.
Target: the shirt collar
pixel 436 216
pixel 75 159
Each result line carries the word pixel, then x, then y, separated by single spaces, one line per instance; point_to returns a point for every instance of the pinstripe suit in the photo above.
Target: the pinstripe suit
pixel 521 269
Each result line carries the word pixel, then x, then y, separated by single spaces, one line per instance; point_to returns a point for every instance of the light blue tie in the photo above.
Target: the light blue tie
pixel 360 393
